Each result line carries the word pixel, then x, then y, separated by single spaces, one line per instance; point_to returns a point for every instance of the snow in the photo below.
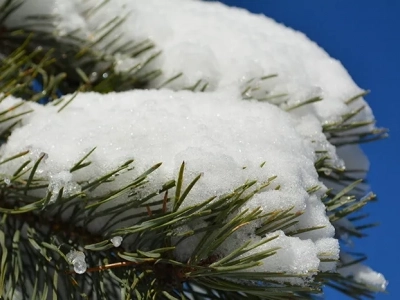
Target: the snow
pixel 216 133
pixel 294 257
pixel 328 252
pixel 218 45
pixel 363 274
pixel 219 135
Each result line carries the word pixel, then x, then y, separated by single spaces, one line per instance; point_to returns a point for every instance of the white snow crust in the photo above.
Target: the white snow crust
pixel 216 44
pixel 217 133
pixel 363 274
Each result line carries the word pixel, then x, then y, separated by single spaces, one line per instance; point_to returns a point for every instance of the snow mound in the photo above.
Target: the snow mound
pixel 231 54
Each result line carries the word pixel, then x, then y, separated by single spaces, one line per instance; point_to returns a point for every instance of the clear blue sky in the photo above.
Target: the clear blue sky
pixel 365 36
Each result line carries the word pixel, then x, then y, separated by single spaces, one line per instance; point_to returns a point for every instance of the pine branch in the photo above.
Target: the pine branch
pixel 45 240
pixel 61 65
pixel 204 269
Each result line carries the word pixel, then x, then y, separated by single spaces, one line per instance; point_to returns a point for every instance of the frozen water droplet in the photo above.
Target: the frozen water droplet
pixel 339 164
pixel 93 76
pixel 7 181
pixel 116 241
pixel 73 254
pixel 328 172
pixel 77 258
pixel 80 266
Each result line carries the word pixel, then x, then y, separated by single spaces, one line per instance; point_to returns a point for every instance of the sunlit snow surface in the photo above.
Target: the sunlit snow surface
pixel 216 133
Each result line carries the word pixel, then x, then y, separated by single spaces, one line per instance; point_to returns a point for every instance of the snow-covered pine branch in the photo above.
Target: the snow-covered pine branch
pixel 267 119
